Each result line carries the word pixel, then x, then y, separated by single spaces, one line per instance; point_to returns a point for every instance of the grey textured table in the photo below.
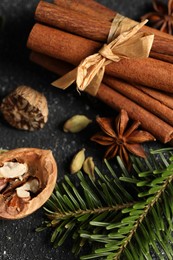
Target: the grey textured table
pixel 18 239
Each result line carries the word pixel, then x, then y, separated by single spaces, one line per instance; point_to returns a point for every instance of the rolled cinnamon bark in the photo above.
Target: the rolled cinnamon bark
pixel 72 48
pixel 161 130
pixel 149 72
pixel 166 99
pixel 95 9
pixel 92 27
pixel 96 6
pixel 87 7
pixel 74 22
pixel 161 56
pixel 141 98
pixel 56 66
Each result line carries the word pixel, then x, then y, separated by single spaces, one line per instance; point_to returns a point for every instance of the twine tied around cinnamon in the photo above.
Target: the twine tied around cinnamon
pixel 124 41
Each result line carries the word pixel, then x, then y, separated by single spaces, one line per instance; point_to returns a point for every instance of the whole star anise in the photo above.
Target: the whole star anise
pixel 162 17
pixel 120 140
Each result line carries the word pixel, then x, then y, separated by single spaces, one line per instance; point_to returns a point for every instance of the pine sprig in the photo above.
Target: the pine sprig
pixel 128 217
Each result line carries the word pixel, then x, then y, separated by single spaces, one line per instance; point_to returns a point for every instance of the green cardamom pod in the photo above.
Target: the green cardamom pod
pixel 76 123
pixel 88 167
pixel 77 161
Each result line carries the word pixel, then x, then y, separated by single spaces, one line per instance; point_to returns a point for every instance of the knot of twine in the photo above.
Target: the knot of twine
pixel 124 41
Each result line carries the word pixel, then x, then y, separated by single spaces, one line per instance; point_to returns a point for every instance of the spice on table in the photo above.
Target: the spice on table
pixel 119 139
pixel 27 179
pixel 81 24
pixel 88 167
pixel 77 161
pixel 162 17
pixel 25 108
pixel 47 53
pixel 108 95
pixel 76 123
pixel 157 74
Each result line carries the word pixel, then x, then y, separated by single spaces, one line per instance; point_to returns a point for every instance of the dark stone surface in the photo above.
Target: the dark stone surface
pixel 18 239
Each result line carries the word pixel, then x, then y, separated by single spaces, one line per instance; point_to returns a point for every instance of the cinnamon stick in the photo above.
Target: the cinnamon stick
pixel 161 130
pixel 103 11
pixel 56 66
pixel 166 99
pixel 95 9
pixel 92 28
pixel 89 7
pixel 141 98
pixel 161 56
pixel 149 72
pixel 72 48
pixel 73 22
pixel 96 6
pixel 59 44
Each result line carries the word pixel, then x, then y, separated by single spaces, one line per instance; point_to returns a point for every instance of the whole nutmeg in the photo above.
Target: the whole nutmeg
pixel 25 108
pixel 27 179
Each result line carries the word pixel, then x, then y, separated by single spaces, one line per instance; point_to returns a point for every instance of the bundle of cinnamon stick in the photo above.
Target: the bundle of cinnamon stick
pixel 67 31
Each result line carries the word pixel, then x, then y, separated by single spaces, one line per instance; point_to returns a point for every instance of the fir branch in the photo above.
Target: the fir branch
pixel 147 208
pixel 78 213
pixel 121 218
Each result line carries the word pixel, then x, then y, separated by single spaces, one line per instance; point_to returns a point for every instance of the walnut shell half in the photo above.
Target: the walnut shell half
pixel 33 174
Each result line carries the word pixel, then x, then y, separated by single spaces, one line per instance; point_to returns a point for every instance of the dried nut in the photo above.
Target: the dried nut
pixel 25 108
pixel 28 182
pixel 77 161
pixel 32 185
pixel 88 167
pixel 76 123
pixel 13 169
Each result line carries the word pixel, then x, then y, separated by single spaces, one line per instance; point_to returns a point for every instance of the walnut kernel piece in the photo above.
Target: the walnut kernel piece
pixel 24 190
pixel 22 195
pixel 25 108
pixel 13 169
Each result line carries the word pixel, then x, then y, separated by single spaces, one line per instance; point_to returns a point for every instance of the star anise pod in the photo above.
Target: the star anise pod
pixel 119 139
pixel 162 17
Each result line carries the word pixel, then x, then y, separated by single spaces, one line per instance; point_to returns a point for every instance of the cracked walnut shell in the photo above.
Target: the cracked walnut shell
pixel 25 108
pixel 27 179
